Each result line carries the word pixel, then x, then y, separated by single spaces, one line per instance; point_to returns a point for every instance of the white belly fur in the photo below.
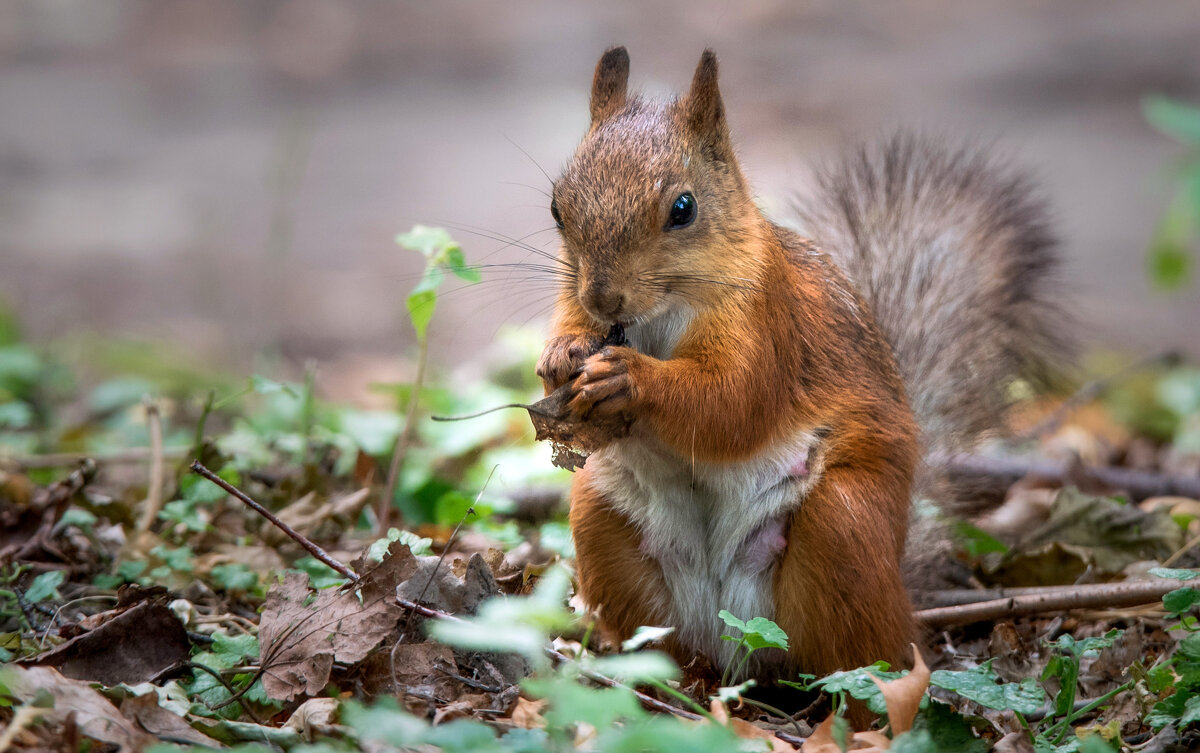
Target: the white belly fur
pixel 695 517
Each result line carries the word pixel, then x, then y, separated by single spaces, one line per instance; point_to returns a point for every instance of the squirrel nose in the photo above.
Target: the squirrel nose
pixel 603 302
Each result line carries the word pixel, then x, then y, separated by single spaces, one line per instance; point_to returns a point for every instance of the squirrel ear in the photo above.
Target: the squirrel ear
pixel 702 107
pixel 608 85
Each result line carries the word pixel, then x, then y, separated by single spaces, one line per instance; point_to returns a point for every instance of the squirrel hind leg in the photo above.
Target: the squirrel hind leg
pixel 616 578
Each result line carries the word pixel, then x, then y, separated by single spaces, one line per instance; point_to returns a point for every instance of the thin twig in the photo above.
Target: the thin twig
pixel 1103 595
pixel 384 513
pixel 1006 470
pixel 154 490
pixel 295 535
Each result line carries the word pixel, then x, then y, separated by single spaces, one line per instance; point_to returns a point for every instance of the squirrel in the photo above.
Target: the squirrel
pixel 782 393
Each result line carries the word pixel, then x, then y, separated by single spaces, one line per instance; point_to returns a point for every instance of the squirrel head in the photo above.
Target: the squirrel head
pixel 652 205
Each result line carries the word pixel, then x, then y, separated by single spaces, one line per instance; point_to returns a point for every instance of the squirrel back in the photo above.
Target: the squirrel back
pixel 952 252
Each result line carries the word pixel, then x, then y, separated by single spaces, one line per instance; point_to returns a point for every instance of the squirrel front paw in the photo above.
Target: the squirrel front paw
pixel 605 385
pixel 563 357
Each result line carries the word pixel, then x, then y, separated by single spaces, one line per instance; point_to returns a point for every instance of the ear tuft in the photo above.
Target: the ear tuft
pixel 609 84
pixel 703 108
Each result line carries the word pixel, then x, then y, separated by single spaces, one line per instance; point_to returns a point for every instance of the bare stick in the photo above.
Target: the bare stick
pixel 154 490
pixel 1092 596
pixel 295 535
pixel 384 512
pixel 1005 471
pixel 953 597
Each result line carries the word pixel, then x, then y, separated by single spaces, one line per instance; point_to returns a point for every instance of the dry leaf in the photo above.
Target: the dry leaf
pixel 315 716
pixel 133 645
pixel 747 730
pixel 903 695
pixel 301 640
pixel 528 714
pixel 94 714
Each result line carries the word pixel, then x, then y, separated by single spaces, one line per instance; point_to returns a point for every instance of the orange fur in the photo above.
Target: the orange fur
pixel 776 343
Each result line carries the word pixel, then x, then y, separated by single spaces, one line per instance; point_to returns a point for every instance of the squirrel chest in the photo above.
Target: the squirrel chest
pixel 717 531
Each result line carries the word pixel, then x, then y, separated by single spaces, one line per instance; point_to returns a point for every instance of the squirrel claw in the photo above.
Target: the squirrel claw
pixel 603 387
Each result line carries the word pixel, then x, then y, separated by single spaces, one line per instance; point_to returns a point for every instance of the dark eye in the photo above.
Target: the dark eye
pixel 683 211
pixel 554 213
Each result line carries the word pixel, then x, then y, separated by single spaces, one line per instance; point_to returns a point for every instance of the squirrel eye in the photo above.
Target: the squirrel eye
pixel 683 211
pixel 554 213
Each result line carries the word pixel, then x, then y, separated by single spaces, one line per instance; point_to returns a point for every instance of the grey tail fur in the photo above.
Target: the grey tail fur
pixel 952 252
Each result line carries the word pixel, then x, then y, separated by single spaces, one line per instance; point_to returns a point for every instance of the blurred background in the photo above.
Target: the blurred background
pixel 228 176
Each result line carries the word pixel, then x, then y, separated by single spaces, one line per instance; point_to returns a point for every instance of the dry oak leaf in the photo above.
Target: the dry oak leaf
pixel 302 639
pixel 903 698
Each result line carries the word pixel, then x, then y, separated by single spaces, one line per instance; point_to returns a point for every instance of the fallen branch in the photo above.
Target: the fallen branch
pixel 1092 596
pixel 953 597
pixel 295 535
pixel 1004 471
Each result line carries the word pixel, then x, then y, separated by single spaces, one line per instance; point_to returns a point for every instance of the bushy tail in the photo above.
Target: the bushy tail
pixel 952 253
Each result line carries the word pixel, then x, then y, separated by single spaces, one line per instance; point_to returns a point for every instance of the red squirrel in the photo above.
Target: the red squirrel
pixel 780 390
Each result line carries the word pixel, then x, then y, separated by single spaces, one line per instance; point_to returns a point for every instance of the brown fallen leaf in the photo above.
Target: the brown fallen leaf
pixel 134 645
pixel 903 695
pixel 145 711
pixel 94 714
pixel 314 716
pixel 903 698
pixel 528 713
pixel 748 731
pixel 302 639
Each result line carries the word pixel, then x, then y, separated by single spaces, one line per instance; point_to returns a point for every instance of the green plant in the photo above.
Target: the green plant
pixel 442 254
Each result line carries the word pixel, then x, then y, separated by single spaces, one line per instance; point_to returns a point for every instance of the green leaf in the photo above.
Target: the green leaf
pixel 417 545
pixel 45 586
pixel 1176 119
pixel 384 721
pixel 1181 600
pixel 976 541
pixel 572 703
pixel 634 668
pixel 457 264
pixel 913 741
pixel 429 241
pixel 195 488
pixel 1189 647
pixel 319 574
pixel 235 576
pixel 181 560
pixel 234 649
pixel 1174 573
pixel 982 686
pixel 758 633
pixel 949 731
pixel 858 683
pixel 420 306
